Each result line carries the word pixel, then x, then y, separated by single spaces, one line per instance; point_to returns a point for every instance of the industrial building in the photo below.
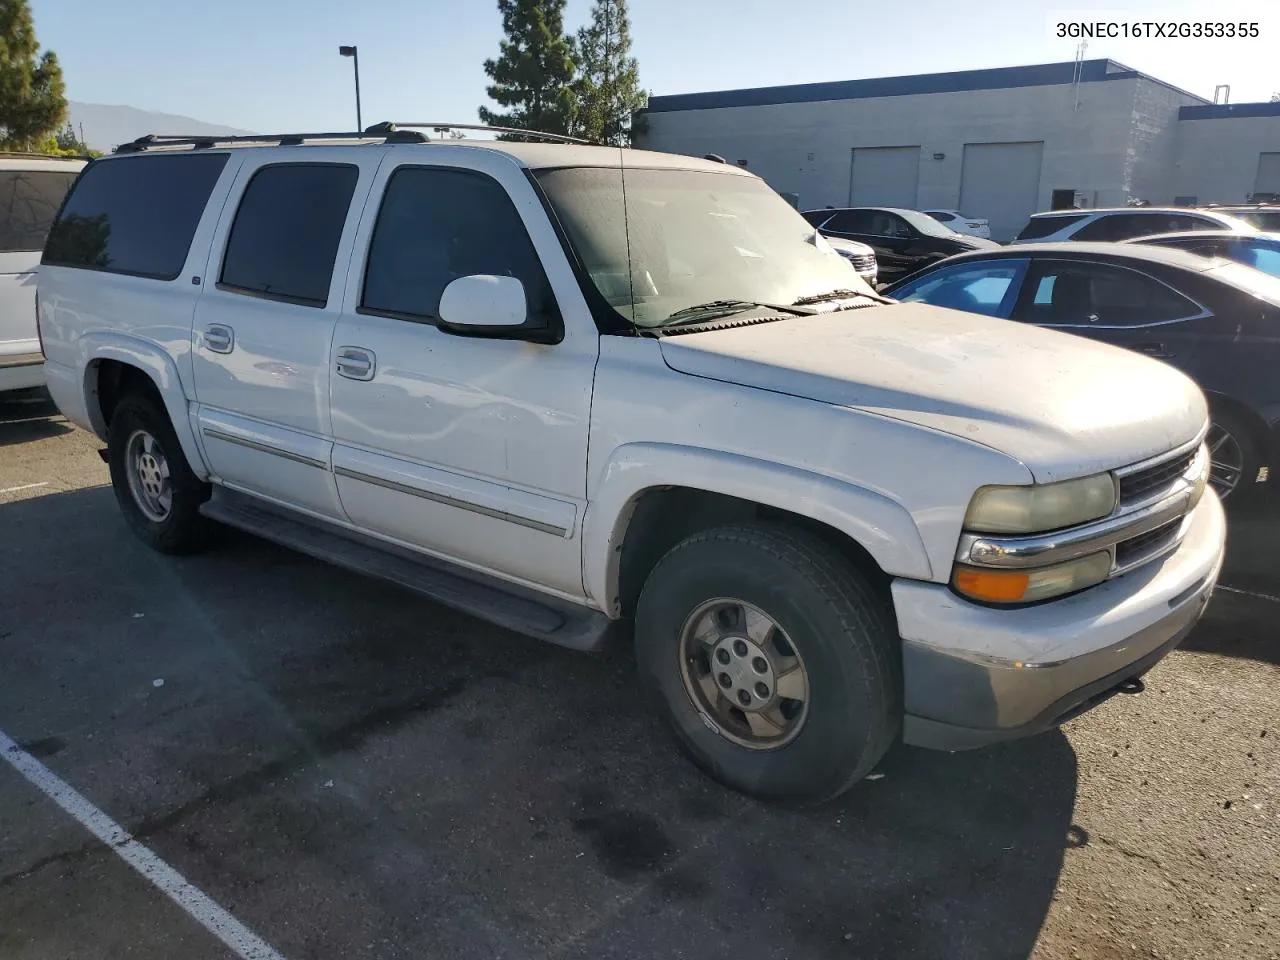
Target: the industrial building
pixel 1000 143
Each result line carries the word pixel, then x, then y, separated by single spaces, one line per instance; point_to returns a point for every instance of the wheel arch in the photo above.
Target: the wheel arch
pixel 118 366
pixel 1260 432
pixel 654 495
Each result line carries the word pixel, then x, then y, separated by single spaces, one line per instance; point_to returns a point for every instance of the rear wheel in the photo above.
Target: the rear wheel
pixel 154 485
pixel 774 659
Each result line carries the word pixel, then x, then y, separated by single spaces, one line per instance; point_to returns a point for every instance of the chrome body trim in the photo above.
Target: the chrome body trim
pixel 451 501
pixel 264 448
pixel 22 360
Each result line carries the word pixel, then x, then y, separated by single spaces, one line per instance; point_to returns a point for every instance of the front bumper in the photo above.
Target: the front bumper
pixel 976 675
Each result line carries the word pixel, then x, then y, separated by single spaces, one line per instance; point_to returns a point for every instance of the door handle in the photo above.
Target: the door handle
pixel 356 363
pixel 1153 350
pixel 219 338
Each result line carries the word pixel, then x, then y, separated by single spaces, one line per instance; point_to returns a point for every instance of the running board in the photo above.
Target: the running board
pixel 486 598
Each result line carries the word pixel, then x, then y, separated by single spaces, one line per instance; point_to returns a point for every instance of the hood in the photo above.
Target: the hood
pixel 975 243
pixel 1060 403
pixel 853 246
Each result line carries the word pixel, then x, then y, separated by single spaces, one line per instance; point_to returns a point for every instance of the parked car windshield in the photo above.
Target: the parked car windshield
pixel 675 239
pixel 925 224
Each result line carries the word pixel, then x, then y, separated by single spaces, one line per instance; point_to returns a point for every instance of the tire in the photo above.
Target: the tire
pixel 180 529
pixel 826 611
pixel 1238 433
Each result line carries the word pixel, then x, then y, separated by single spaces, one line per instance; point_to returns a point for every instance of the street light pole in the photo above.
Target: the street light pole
pixel 355 61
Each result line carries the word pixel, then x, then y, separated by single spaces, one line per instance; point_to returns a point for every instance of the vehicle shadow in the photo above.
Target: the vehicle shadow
pixel 26 418
pixel 1240 619
pixel 522 791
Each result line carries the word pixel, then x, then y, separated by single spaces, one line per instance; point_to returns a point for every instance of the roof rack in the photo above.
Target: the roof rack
pixel 530 134
pixel 385 132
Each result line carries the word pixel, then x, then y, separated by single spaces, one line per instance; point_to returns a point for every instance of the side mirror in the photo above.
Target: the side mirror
pixel 488 305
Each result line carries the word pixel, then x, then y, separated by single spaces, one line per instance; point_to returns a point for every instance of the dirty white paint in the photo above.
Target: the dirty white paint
pixel 242 941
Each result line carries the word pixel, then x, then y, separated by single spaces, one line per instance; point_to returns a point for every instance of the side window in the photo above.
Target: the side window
pixel 29 200
pixel 284 239
pixel 942 216
pixel 1178 223
pixel 1264 258
pixel 975 289
pixel 436 225
pixel 1075 294
pixel 888 225
pixel 850 221
pixel 134 215
pixel 1115 226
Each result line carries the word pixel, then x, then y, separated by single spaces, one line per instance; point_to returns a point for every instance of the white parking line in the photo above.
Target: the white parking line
pixel 25 486
pixel 1248 593
pixel 239 938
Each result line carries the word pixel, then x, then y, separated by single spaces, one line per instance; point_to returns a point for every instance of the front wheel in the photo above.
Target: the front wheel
pixel 774 659
pixel 1235 460
pixel 154 485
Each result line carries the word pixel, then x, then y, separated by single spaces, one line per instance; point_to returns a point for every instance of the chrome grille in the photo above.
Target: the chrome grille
pixel 1138 550
pixel 1150 482
pixel 862 262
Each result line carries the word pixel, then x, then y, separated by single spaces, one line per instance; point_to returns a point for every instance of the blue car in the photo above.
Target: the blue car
pixel 1258 250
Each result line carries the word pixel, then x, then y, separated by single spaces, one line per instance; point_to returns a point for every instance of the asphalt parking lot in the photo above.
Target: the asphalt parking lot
pixel 351 772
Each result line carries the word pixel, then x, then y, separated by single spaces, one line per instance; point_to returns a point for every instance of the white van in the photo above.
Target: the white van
pixel 31 190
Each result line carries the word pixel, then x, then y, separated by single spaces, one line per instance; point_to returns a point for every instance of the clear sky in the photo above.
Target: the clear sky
pixel 272 65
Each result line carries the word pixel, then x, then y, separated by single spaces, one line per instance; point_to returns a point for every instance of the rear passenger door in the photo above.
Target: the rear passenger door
pixel 272 292
pixel 466 447
pixel 1120 305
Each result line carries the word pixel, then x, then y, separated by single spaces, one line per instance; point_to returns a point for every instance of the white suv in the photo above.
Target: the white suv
pixel 564 387
pixel 32 187
pixel 1115 224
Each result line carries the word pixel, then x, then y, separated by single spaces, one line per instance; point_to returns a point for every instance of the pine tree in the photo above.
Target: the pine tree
pixel 533 74
pixel 608 86
pixel 32 96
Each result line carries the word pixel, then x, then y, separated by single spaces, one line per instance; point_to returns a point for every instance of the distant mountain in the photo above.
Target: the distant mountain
pixel 107 125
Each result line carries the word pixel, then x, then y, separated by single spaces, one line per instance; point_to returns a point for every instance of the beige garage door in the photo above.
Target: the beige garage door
pixel 1268 173
pixel 885 177
pixel 1001 182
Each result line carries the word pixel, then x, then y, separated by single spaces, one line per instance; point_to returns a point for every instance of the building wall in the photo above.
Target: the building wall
pixel 806 148
pixel 1217 157
pixel 1152 148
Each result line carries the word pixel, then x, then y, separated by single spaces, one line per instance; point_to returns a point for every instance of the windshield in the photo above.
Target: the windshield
pixel 925 224
pixel 695 237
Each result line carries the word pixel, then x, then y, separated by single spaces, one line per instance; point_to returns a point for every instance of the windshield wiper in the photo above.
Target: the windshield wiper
pixel 842 294
pixel 717 309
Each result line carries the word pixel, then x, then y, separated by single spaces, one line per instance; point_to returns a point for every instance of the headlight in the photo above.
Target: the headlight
pixel 1027 586
pixel 1041 507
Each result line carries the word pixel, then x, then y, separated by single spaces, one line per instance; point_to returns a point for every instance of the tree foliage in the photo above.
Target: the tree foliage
pixel 608 85
pixel 533 74
pixel 32 97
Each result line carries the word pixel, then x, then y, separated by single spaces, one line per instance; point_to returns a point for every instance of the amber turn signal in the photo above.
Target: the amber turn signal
pixel 992 586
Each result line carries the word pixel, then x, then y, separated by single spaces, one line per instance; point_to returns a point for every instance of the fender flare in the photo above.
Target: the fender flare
pixel 882 526
pixel 156 363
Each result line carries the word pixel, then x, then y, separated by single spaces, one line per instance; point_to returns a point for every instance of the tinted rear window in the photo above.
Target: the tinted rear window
pixel 29 200
pixel 134 215
pixel 284 240
pixel 1039 227
pixel 817 217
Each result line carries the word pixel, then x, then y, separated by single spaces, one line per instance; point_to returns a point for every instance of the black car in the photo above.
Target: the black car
pixel 904 240
pixel 1215 319
pixel 1258 250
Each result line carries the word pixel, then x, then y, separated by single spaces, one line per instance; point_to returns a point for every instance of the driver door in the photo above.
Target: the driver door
pixel 470 448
